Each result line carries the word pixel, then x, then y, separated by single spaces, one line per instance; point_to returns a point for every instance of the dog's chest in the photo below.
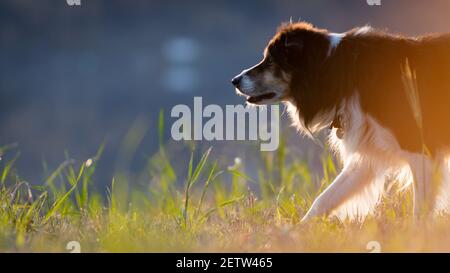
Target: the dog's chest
pixel 357 133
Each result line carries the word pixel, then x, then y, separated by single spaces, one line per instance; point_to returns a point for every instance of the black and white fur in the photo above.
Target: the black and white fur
pixel 357 76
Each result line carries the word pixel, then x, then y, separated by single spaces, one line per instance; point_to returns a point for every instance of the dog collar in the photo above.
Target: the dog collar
pixel 337 123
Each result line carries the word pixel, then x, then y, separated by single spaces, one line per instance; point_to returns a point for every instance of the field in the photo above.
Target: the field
pixel 73 75
pixel 216 208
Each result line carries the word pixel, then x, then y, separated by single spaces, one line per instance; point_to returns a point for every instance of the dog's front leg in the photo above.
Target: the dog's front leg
pixel 422 170
pixel 352 179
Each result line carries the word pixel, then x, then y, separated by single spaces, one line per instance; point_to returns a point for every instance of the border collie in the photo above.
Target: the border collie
pixel 355 85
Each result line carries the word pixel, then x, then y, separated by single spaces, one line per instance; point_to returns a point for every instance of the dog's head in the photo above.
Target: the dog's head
pixel 290 60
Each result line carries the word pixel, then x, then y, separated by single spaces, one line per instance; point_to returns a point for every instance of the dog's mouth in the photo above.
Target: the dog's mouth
pixel 260 98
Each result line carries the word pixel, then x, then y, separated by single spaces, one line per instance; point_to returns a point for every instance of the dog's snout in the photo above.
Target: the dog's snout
pixel 236 80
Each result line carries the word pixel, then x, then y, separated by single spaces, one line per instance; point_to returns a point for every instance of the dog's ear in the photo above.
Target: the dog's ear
pixel 291 43
pixel 292 49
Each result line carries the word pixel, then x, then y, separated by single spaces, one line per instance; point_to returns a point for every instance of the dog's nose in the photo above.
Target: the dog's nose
pixel 236 80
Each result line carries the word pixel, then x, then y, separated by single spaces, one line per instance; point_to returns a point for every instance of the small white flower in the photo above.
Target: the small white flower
pixel 236 164
pixel 89 162
pixel 237 161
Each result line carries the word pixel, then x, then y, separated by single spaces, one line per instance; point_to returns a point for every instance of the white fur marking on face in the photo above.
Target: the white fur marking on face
pixel 269 78
pixel 335 39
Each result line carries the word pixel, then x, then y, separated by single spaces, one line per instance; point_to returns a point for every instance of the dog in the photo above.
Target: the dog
pixel 355 85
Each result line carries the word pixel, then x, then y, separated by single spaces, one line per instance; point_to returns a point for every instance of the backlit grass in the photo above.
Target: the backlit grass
pixel 207 206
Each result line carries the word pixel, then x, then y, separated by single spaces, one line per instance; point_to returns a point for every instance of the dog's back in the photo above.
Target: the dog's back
pixel 380 63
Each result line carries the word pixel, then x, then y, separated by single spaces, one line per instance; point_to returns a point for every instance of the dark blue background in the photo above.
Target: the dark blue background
pixel 72 76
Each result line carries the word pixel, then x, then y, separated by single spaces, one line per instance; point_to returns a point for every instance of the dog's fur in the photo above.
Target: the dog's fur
pixel 356 77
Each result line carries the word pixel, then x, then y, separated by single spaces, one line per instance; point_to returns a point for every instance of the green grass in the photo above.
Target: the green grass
pixel 216 207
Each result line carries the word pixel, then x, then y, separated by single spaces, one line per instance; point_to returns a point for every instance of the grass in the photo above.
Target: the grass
pixel 219 208
pixel 209 206
pixel 205 215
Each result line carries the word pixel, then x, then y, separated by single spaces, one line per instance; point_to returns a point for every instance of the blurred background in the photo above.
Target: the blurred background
pixel 73 77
